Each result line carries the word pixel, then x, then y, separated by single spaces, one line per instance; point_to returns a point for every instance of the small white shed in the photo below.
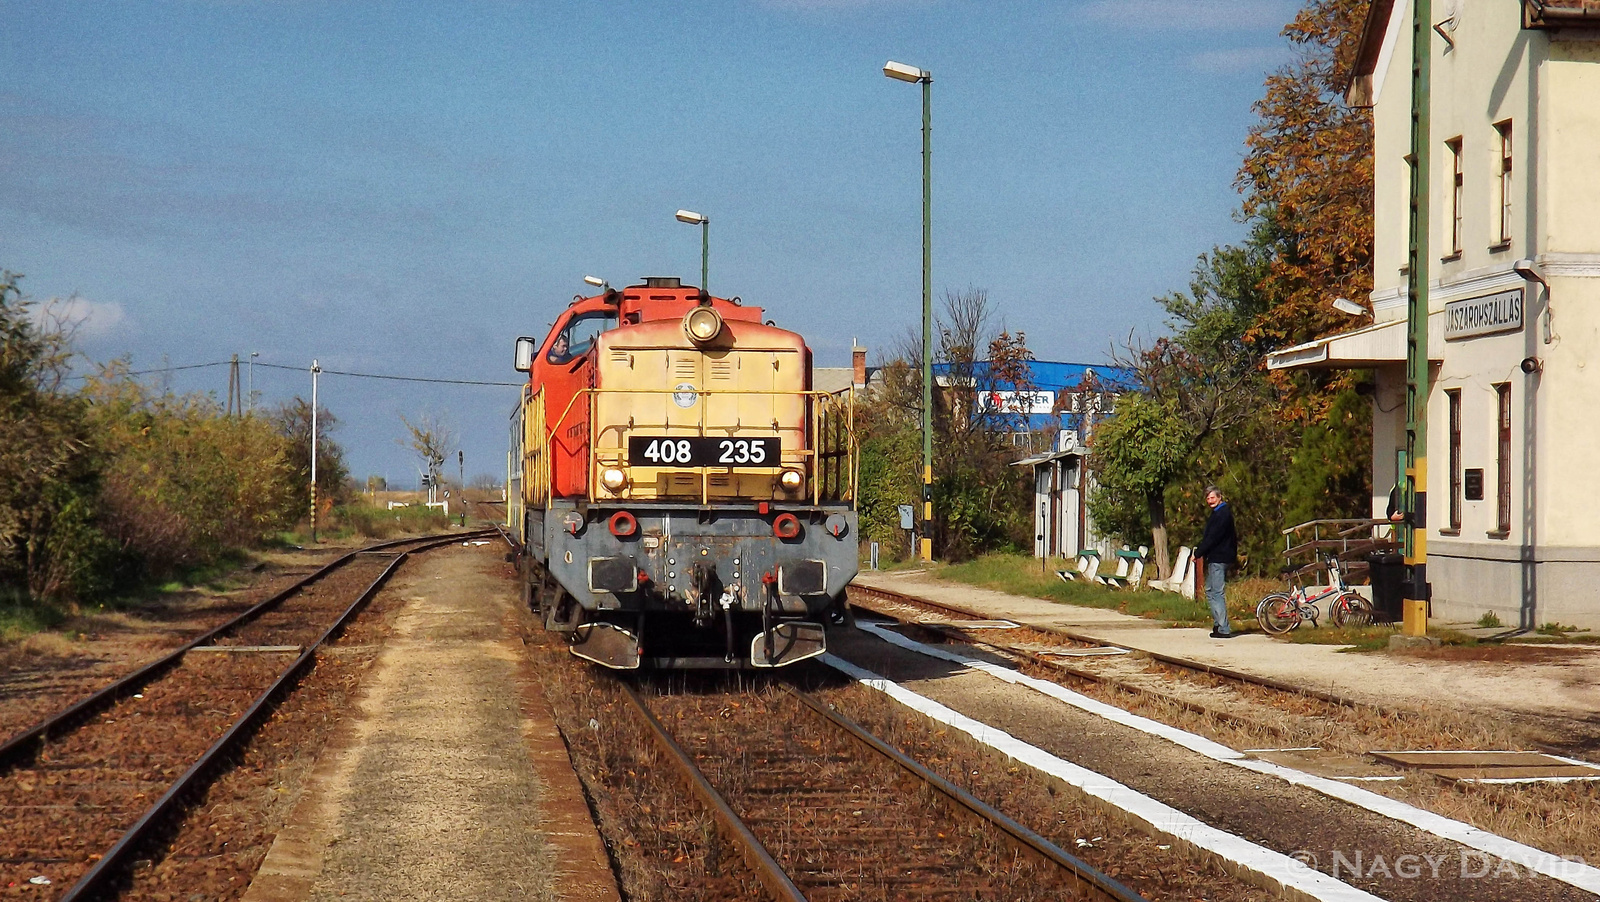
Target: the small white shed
pixel 1062 526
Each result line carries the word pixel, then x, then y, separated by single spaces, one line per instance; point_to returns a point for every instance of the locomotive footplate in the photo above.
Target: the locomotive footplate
pixel 608 645
pixel 789 643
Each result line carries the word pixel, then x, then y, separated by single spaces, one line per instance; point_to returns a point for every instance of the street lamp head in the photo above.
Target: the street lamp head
pixel 596 281
pixel 1529 270
pixel 255 353
pixel 903 72
pixel 1345 305
pixel 692 218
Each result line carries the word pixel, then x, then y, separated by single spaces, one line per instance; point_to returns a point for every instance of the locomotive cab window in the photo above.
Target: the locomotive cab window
pixel 579 334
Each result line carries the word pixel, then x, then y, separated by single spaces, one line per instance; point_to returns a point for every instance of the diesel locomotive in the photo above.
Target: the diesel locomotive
pixel 680 495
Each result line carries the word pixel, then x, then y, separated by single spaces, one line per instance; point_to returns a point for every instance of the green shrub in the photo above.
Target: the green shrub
pixel 364 519
pixel 182 483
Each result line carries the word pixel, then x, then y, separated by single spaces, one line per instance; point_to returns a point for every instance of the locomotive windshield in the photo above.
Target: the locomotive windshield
pixel 579 334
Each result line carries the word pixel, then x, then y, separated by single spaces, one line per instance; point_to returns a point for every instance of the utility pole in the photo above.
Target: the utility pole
pixel 235 404
pixel 1415 614
pixel 314 371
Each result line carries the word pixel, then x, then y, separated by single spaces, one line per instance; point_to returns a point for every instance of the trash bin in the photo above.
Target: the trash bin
pixel 1388 573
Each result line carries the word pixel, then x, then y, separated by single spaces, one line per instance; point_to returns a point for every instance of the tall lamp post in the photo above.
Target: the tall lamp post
pixel 903 72
pixel 252 371
pixel 704 222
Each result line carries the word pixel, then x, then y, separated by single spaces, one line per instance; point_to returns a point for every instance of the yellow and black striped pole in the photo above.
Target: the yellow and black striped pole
pixel 1415 613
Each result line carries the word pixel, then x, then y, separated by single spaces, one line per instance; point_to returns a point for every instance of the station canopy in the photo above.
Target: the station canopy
pixel 1380 344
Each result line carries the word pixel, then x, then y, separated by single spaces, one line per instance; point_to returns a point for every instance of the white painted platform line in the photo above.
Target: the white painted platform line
pixel 1530 780
pixel 1576 873
pixel 1165 819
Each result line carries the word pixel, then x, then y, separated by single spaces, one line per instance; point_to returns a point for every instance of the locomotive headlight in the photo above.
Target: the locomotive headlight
pixel 702 324
pixel 791 479
pixel 613 478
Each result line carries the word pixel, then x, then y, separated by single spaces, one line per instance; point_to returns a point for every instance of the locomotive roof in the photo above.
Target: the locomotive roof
pixel 646 303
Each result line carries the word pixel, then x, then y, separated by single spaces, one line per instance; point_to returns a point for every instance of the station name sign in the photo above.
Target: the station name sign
pixel 1487 315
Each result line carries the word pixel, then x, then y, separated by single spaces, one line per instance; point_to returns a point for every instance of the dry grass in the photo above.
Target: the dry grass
pixel 48 645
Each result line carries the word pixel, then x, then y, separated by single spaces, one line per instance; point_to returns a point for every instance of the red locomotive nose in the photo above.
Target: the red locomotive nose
pixel 623 524
pixel 786 526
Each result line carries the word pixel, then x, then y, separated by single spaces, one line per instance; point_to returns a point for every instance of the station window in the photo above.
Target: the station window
pixel 1453 395
pixel 1502 391
pixel 1456 185
pixel 1503 129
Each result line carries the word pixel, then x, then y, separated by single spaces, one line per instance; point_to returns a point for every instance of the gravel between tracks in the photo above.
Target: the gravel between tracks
pixel 44 673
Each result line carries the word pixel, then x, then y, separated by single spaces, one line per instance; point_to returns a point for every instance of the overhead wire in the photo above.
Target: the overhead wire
pixel 303 369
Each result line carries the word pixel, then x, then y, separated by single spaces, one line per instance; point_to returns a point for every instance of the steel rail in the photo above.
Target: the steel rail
pixel 755 854
pixel 1088 875
pixel 960 635
pixel 23 746
pixel 96 882
pixel 1173 660
pixel 1184 663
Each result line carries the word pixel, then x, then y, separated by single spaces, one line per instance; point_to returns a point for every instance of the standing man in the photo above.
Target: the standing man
pixel 1219 547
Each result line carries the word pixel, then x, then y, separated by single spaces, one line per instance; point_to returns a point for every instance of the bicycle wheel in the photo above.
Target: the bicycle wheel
pixel 1278 613
pixel 1351 609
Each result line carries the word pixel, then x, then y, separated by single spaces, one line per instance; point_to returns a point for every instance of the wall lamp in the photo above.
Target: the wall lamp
pixel 1529 270
pixel 1345 305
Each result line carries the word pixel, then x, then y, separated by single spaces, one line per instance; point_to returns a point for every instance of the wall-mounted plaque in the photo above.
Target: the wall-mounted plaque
pixel 1487 315
pixel 1473 483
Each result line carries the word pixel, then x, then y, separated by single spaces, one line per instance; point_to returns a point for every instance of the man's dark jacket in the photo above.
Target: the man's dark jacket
pixel 1219 544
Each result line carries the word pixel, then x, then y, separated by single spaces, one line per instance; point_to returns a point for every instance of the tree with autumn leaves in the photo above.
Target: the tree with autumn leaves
pixel 1286 447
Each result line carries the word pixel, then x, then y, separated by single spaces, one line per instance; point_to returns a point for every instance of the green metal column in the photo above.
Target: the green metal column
pixel 1415 621
pixel 927 319
pixel 705 256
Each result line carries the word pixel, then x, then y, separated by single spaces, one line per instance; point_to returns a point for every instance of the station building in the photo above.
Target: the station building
pixel 1514 300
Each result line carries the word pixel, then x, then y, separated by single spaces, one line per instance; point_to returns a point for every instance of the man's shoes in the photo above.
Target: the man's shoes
pixel 1217 635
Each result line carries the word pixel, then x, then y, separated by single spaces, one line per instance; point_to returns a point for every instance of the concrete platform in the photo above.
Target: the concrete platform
pixel 1560 681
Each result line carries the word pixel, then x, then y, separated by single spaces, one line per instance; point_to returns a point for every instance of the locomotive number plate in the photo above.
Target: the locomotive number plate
pixel 660 451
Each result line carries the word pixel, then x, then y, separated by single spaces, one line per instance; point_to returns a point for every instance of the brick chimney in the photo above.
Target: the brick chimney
pixel 858 362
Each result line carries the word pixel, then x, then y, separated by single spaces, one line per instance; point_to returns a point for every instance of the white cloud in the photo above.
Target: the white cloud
pixel 1239 59
pixel 1212 15
pixel 89 320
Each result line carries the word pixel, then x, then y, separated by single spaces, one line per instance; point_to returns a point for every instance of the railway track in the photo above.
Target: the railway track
pixel 91 789
pixel 1299 715
pixel 1044 651
pixel 819 810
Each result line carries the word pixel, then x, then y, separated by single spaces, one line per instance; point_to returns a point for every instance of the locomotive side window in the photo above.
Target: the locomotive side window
pixel 579 334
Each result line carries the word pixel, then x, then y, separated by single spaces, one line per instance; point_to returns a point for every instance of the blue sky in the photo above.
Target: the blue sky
pixel 405 188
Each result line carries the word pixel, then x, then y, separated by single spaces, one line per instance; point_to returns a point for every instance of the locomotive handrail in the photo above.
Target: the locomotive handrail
pixel 809 395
